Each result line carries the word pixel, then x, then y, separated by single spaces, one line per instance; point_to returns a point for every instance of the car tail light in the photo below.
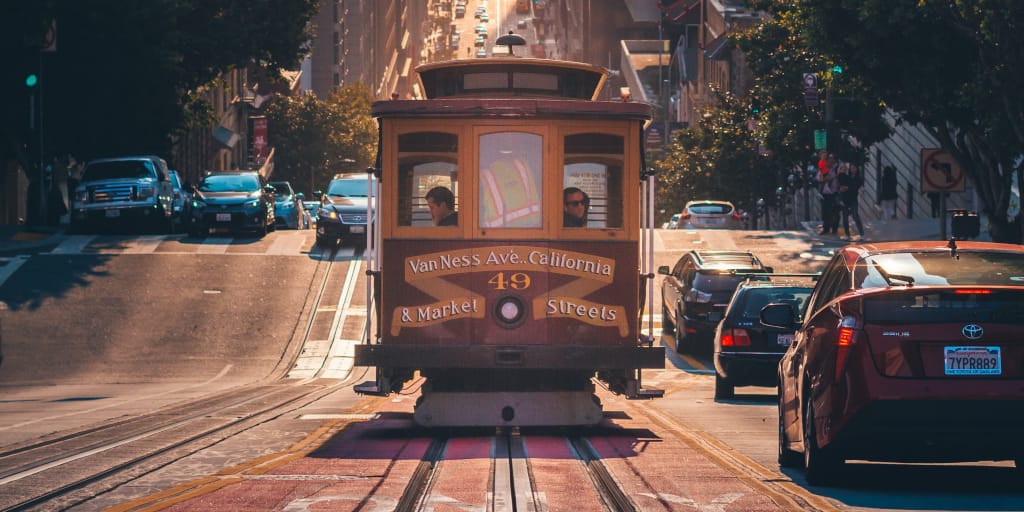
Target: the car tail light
pixel 736 215
pixel 684 215
pixel 845 339
pixel 973 291
pixel 735 338
pixel 695 295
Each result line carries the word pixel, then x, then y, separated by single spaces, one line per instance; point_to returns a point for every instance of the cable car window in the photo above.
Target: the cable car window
pixel 425 160
pixel 593 165
pixel 510 180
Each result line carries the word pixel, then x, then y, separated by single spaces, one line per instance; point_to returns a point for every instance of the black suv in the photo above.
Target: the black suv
pixel 696 291
pixel 343 210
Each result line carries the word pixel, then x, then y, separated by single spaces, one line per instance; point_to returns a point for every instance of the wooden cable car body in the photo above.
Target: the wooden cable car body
pixel 509 314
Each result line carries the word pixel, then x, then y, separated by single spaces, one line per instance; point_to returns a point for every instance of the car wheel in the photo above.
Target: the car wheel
pixel 682 341
pixel 667 327
pixel 787 458
pixel 724 388
pixel 320 242
pixel 821 465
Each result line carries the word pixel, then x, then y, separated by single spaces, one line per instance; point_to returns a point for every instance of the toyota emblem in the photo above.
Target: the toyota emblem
pixel 973 331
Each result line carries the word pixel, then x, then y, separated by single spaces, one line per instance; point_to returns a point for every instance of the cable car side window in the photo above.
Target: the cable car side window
pixel 593 165
pixel 425 160
pixel 510 180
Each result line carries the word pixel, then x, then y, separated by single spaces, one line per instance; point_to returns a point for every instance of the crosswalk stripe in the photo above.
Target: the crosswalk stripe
pixel 73 244
pixel 214 245
pixel 143 245
pixel 287 244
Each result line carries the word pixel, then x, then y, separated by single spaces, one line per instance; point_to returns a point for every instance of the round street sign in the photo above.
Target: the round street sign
pixel 940 172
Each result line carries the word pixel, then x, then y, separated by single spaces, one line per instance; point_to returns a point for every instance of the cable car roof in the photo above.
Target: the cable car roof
pixel 512 76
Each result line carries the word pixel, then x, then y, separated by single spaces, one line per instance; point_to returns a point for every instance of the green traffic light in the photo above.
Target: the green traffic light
pixel 31 80
pixel 837 69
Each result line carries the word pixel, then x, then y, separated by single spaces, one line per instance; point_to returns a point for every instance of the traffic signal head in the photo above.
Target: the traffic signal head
pixel 755 106
pixel 837 69
pixel 31 80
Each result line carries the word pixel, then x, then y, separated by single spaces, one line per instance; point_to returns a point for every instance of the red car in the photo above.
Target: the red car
pixel 908 352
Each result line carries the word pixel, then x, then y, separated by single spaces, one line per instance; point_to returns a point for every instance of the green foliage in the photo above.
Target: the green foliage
pixel 717 159
pixel 314 139
pixel 955 67
pixel 123 77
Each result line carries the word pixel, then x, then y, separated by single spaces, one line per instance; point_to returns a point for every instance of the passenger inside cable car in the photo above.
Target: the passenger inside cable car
pixel 441 203
pixel 576 205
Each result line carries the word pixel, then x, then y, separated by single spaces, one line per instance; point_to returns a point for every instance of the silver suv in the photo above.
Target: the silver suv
pixel 134 189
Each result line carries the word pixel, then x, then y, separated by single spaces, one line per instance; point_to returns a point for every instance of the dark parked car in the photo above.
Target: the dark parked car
pixel 908 352
pixel 343 210
pixel 232 201
pixel 695 292
pixel 747 353
pixel 288 210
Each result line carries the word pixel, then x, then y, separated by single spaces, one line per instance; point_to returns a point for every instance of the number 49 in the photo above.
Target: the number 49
pixel 515 281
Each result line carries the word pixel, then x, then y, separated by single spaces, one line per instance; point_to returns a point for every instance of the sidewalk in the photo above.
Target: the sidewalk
pixel 19 239
pixel 893 230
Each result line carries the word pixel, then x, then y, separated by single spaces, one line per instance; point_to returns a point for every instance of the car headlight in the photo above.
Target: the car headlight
pixel 255 203
pixel 329 214
pixel 197 204
pixel 286 206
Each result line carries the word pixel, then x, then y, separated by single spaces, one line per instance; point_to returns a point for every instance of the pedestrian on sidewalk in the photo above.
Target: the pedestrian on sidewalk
pixel 829 187
pixel 850 181
pixel 888 195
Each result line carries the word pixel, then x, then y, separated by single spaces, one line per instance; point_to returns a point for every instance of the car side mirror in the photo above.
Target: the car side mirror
pixel 299 196
pixel 781 316
pixel 664 270
pixel 770 270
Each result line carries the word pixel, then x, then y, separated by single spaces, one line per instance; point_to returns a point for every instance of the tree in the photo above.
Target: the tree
pixel 123 80
pixel 314 139
pixel 717 159
pixel 747 165
pixel 954 67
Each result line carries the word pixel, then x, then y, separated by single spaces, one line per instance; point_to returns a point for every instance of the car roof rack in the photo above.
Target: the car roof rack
pixel 768 276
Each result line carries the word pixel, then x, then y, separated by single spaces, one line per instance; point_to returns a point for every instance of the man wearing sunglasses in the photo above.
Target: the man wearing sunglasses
pixel 576 203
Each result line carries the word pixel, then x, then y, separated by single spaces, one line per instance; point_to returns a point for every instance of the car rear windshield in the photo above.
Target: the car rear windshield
pixel 931 306
pixel 940 269
pixel 230 183
pixel 754 299
pixel 710 208
pixel 716 281
pixel 121 169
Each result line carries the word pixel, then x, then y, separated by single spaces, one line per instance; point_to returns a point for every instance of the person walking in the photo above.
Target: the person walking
pixel 850 181
pixel 887 196
pixel 829 185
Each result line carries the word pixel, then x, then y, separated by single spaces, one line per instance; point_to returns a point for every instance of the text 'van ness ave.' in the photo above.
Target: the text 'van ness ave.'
pixel 517 257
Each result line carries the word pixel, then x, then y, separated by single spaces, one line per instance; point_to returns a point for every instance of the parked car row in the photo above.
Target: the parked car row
pixel 895 352
pixel 141 192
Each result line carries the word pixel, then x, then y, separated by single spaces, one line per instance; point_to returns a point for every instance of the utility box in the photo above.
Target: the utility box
pixel 965 224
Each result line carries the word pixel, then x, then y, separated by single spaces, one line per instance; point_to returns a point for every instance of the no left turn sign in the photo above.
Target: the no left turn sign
pixel 940 172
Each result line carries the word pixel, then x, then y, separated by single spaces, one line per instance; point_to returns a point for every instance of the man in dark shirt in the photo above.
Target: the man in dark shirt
pixel 441 203
pixel 575 207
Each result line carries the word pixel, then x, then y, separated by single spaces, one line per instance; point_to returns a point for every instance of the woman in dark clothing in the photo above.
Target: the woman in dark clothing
pixel 887 197
pixel 850 181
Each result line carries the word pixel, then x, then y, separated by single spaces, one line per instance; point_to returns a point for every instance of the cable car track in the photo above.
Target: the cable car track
pixel 513 484
pixel 98 458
